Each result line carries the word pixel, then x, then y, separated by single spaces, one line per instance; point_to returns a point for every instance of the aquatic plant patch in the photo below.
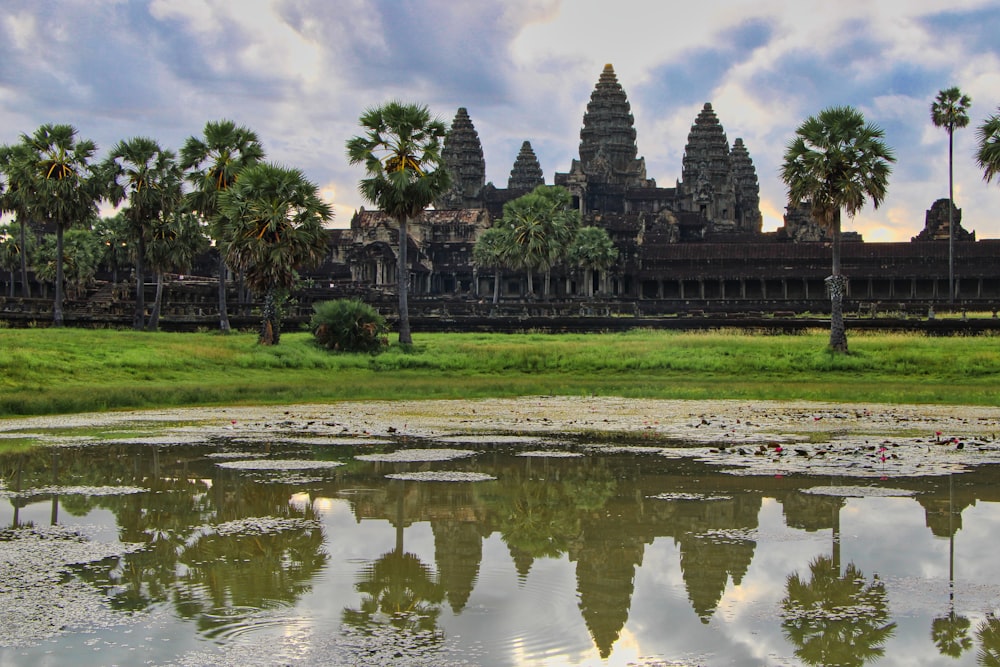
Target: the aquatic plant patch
pixel 37 599
pixel 443 476
pixel 73 491
pixel 278 464
pixel 689 496
pixel 418 455
pixel 550 454
pixel 265 525
pixel 859 491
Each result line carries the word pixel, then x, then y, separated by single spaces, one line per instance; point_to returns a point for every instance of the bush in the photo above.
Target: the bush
pixel 349 325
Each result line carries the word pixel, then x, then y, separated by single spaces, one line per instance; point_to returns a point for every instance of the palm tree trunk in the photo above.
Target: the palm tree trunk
pixel 269 328
pixel 837 286
pixel 223 306
pixel 57 307
pixel 951 226
pixel 546 286
pixel 154 316
pixel 25 286
pixel 140 287
pixel 531 286
pixel 496 287
pixel 402 285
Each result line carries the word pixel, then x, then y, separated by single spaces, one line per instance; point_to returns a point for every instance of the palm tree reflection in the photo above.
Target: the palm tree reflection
pixel 399 591
pixel 836 618
pixel 988 634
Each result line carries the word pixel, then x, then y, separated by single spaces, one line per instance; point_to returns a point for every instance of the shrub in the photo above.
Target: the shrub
pixel 349 325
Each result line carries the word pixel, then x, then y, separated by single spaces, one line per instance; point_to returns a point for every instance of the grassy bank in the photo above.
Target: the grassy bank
pixel 51 371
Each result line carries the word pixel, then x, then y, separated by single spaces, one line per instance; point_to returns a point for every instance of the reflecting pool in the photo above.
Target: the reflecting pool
pixel 292 548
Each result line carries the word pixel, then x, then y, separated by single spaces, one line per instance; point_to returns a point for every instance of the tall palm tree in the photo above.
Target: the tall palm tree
pixel 274 219
pixel 837 161
pixel 949 110
pixel 64 188
pixel 213 163
pixel 401 152
pixel 988 155
pixel 491 252
pixel 592 250
pixel 147 176
pixel 16 171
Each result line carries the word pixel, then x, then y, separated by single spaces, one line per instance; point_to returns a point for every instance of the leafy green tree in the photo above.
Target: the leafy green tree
pixel 16 175
pixel 147 177
pixel 837 162
pixel 592 250
pixel 274 222
pixel 950 111
pixel 401 152
pixel 988 154
pixel 543 225
pixel 63 187
pixel 492 252
pixel 213 162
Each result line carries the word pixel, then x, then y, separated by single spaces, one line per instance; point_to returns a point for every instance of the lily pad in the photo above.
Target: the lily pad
pixel 418 455
pixel 443 476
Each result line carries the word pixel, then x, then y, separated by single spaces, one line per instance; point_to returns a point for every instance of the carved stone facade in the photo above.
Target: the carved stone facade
pixel 701 239
pixel 463 157
pixel 526 173
pixel 936 224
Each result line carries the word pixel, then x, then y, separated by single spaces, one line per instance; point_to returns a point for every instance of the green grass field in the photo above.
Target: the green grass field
pixel 53 371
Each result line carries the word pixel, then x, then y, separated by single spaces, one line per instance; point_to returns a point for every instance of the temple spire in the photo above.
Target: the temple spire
pixel 462 155
pixel 526 174
pixel 607 139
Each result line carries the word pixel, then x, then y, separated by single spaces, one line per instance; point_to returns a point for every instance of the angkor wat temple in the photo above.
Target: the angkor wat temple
pixel 696 244
pixel 696 247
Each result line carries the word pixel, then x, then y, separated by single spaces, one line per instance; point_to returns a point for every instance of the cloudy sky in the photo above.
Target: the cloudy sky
pixel 301 72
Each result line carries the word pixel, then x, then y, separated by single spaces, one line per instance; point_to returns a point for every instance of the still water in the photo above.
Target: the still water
pixel 335 551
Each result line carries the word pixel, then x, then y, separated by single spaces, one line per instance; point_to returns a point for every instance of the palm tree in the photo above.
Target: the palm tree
pixel 213 163
pixel 274 219
pixel 592 250
pixel 16 170
pixel 837 161
pixel 542 225
pixel 173 244
pixel 63 187
pixel 146 175
pixel 10 253
pixel 401 151
pixel 491 252
pixel 949 111
pixel 988 155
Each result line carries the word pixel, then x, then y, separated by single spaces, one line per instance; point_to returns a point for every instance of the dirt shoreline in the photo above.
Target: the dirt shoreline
pixel 555 414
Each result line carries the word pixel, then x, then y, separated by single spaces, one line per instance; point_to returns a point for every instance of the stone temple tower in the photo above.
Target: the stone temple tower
pixel 462 155
pixel 748 218
pixel 707 184
pixel 526 174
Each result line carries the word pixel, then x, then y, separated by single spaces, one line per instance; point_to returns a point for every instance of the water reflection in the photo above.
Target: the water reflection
pixel 223 548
